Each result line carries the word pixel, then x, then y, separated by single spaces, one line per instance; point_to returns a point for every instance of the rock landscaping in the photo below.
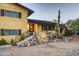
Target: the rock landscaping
pixel 41 38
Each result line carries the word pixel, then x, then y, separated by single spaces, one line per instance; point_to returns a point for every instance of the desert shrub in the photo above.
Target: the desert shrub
pixel 3 42
pixel 19 38
pixel 12 41
pixel 22 37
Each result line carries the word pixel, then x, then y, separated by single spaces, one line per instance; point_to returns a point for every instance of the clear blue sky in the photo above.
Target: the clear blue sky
pixel 49 11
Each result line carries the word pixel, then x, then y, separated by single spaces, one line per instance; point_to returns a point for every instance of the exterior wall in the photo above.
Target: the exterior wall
pixel 40 27
pixel 11 22
pixel 37 27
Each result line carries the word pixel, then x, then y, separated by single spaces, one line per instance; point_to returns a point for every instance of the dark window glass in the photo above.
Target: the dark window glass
pixel 47 27
pixel 12 14
pixel 2 12
pixel 2 32
pixel 15 32
pixel 7 32
pixel 10 32
pixel 44 27
pixel 19 32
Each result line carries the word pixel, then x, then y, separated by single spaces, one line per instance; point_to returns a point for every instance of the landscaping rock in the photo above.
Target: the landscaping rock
pixel 42 37
pixel 25 42
pixel 35 39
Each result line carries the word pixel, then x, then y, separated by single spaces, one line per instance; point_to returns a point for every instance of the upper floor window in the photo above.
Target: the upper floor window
pixel 10 13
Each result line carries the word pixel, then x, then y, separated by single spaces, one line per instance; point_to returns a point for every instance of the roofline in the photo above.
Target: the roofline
pixel 40 21
pixel 29 10
pixel 43 22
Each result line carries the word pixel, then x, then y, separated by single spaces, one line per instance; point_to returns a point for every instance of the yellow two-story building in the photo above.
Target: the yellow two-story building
pixel 13 20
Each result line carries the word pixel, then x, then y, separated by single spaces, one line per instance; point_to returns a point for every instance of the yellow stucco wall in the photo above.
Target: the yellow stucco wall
pixel 37 27
pixel 40 27
pixel 11 22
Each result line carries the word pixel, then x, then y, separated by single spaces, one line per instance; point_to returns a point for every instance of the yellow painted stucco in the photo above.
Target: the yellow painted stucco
pixel 37 27
pixel 11 22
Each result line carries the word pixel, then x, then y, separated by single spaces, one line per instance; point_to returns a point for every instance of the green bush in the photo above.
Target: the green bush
pixel 68 33
pixel 3 42
pixel 22 37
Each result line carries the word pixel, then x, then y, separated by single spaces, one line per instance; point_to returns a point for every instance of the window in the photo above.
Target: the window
pixel 47 27
pixel 7 32
pixel 10 32
pixel 10 13
pixel 15 32
pixel 44 27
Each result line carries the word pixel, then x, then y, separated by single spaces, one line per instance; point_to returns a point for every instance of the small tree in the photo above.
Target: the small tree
pixel 73 25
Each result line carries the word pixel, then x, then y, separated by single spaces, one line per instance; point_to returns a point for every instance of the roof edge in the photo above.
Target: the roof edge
pixel 30 12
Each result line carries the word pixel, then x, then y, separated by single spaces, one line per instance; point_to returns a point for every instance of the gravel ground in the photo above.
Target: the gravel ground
pixel 49 49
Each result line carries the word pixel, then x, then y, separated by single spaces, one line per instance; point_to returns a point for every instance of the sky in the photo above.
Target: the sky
pixel 49 11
